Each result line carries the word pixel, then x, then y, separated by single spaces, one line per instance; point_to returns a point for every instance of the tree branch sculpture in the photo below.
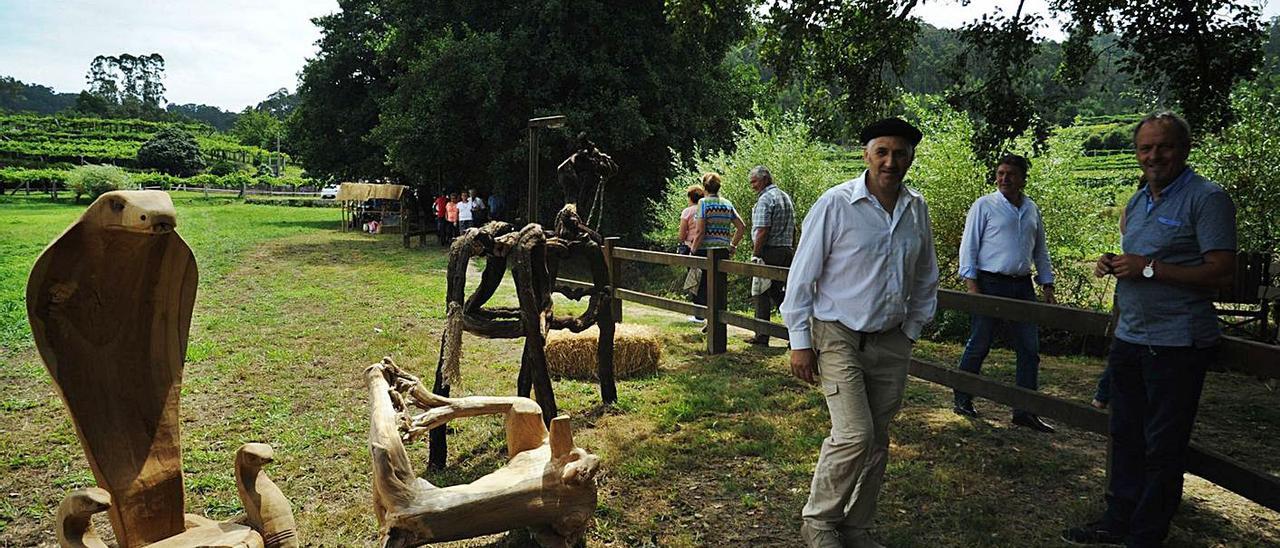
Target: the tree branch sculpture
pixel 535 255
pixel 547 485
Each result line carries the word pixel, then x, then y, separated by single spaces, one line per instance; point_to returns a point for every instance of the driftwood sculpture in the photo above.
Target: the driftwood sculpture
pixel 536 255
pixel 110 305
pixel 547 485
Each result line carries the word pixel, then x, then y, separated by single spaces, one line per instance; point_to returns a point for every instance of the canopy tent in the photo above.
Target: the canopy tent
pixel 360 192
pixel 380 202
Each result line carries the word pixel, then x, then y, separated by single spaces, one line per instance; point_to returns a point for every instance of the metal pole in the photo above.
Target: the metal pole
pixel 532 211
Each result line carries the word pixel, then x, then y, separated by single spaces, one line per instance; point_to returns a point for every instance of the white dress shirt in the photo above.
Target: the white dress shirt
pixel 1004 239
pixel 861 265
pixel 464 210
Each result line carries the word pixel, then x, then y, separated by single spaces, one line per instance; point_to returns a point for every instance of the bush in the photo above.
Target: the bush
pixel 1242 159
pixel 800 165
pixel 172 151
pixel 223 166
pixel 95 181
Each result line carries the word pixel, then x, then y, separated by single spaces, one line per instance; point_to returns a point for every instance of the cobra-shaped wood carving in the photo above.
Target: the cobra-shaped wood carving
pixel 110 303
pixel 535 256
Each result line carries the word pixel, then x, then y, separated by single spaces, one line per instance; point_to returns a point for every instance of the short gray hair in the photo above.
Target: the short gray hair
pixel 762 173
pixel 1167 117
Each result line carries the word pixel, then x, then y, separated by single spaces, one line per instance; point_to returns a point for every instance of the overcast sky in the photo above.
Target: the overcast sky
pixel 233 53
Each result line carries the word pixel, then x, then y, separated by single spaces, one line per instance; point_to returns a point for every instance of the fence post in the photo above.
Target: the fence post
pixel 717 284
pixel 615 276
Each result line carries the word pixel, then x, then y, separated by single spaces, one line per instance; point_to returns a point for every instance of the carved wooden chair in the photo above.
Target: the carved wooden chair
pixel 110 305
pixel 547 485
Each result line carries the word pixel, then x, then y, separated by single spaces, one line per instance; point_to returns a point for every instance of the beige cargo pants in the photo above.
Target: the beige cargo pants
pixel 863 377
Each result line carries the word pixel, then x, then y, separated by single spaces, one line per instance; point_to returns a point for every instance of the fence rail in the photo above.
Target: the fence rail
pixel 1235 354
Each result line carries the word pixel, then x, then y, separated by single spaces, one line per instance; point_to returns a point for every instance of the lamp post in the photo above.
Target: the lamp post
pixel 534 125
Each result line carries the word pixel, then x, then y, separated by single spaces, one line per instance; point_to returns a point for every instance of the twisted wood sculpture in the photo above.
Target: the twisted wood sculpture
pixel 110 305
pixel 547 485
pixel 536 256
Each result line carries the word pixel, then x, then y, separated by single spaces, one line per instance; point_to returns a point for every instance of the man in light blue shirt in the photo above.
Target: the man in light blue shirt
pixel 1003 238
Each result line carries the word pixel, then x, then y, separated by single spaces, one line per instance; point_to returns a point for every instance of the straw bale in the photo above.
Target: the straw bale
pixel 636 351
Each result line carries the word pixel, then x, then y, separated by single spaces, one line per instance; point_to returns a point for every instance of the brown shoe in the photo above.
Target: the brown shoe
pixel 820 538
pixel 858 538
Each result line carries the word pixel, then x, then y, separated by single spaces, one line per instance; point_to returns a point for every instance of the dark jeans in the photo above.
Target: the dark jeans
pixel 1025 337
pixel 442 231
pixel 701 296
pixel 1103 393
pixel 1155 391
pixel 772 298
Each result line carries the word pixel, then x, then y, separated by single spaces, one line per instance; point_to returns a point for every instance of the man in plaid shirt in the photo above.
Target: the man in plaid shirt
pixel 773 231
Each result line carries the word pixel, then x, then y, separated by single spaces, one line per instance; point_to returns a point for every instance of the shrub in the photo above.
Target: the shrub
pixel 800 165
pixel 172 151
pixel 224 166
pixel 95 181
pixel 1242 159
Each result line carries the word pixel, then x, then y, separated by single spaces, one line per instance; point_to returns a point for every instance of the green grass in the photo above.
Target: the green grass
pixel 710 451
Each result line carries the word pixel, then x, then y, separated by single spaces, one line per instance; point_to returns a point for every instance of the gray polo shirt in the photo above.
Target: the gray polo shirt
pixel 1192 217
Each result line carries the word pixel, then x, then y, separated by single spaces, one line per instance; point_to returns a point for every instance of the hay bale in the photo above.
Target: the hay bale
pixel 636 351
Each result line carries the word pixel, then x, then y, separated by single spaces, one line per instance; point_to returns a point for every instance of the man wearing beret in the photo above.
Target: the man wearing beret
pixel 863 283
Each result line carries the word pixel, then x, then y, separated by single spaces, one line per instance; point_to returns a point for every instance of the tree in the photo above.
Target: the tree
pixel 844 53
pixel 279 104
pixel 172 151
pixel 445 90
pixel 337 96
pixel 994 82
pixel 1185 52
pixel 214 116
pixel 257 128
pixel 132 83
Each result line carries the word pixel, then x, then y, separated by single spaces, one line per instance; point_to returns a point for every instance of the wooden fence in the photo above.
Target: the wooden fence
pixel 1236 355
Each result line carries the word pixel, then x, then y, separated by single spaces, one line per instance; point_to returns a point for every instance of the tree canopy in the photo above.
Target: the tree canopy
pixel 439 95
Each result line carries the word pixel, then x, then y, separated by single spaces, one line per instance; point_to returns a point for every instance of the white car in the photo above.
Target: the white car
pixel 329 192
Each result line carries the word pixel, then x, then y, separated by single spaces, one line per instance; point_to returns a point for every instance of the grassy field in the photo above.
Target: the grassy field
pixel 711 451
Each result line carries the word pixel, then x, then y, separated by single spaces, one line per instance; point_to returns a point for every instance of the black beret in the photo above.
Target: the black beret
pixel 891 127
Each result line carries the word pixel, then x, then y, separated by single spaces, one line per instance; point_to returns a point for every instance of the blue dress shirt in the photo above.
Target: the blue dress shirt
pixel 1004 239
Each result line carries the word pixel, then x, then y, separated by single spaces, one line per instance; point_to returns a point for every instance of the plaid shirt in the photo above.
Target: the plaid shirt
pixel 774 210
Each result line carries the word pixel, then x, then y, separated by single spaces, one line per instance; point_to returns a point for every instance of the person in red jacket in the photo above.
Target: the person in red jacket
pixel 442 221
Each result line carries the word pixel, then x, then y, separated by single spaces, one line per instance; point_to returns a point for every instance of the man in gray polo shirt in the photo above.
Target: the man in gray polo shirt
pixel 1179 242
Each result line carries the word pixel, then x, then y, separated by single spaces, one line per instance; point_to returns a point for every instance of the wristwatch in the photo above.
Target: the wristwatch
pixel 1149 271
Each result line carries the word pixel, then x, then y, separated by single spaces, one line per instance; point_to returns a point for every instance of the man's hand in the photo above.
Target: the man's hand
pixel 971 285
pixel 1048 294
pixel 1128 266
pixel 804 365
pixel 1104 265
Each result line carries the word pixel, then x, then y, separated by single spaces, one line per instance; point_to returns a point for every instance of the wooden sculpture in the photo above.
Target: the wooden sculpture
pixel 547 485
pixel 110 305
pixel 536 255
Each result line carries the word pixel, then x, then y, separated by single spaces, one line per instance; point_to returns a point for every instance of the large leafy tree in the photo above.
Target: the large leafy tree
pixel 994 81
pixel 338 96
pixel 257 128
pixel 172 151
pixel 846 54
pixel 445 90
pixel 1184 53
